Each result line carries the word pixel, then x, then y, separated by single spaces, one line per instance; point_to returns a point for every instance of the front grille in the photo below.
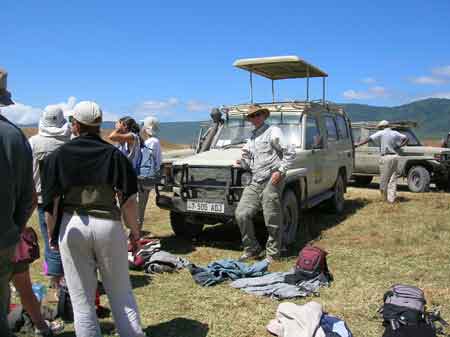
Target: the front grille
pixel 209 176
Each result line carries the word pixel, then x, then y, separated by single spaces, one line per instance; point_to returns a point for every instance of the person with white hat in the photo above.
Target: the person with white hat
pixel 150 165
pixel 16 196
pixel 53 132
pixel 268 157
pixel 88 187
pixel 391 142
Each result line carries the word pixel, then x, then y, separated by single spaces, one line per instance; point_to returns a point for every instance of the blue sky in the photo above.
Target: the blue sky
pixel 174 59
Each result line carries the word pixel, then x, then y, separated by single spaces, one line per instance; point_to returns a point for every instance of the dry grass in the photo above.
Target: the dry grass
pixel 371 246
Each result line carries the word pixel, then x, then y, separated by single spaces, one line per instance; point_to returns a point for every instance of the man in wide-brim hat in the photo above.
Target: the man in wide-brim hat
pixel 390 143
pixel 268 158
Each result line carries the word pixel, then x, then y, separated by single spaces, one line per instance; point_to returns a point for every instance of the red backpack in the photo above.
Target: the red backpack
pixel 312 261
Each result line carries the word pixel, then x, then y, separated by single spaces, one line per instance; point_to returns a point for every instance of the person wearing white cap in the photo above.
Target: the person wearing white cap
pixel 83 182
pixel 150 165
pixel 390 143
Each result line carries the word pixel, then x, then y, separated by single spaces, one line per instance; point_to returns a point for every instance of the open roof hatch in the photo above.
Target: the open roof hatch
pixel 280 68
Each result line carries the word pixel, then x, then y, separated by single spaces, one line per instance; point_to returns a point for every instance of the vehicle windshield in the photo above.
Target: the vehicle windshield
pixel 412 139
pixel 236 131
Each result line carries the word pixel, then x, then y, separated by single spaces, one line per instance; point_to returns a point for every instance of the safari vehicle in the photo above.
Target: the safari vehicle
pixel 205 188
pixel 419 164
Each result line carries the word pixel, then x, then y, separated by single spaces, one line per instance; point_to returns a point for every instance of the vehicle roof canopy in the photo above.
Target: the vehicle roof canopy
pixel 280 67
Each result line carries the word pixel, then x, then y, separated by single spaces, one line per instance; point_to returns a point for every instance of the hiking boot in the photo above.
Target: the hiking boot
pixel 54 327
pixel 249 255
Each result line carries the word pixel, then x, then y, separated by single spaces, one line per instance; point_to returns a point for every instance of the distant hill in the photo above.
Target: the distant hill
pixel 433 115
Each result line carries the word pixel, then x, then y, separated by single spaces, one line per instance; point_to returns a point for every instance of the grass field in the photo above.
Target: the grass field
pixel 372 245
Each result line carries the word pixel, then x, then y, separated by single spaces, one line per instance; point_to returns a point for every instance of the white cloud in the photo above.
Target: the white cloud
pixel 436 95
pixel 197 106
pixel 441 71
pixel 157 107
pixel 373 92
pixel 21 113
pixel 369 80
pixel 428 80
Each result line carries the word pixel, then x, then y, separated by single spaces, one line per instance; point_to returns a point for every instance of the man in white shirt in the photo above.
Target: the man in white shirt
pixel 390 143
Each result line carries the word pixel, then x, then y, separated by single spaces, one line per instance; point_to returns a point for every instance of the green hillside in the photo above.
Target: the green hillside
pixel 433 115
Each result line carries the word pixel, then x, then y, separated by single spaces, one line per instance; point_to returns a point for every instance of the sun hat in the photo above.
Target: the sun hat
pixel 88 113
pixel 151 125
pixel 53 123
pixel 383 124
pixel 5 95
pixel 254 108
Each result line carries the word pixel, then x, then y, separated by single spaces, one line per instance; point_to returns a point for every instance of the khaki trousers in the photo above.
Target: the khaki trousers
pixel 389 176
pixel 254 197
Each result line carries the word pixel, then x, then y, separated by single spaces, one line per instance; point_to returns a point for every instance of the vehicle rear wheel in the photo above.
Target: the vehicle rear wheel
pixel 418 179
pixel 182 228
pixel 291 217
pixel 337 201
pixel 362 180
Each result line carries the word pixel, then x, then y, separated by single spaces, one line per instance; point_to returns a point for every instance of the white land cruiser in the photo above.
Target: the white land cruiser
pixel 205 188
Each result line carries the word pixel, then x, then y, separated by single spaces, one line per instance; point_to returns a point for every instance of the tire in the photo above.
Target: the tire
pixel 418 179
pixel 362 180
pixel 183 228
pixel 291 212
pixel 336 202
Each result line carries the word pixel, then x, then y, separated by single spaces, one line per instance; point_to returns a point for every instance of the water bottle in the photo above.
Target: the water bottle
pixel 39 291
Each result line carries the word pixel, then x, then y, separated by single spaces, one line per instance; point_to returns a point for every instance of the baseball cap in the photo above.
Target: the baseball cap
pixel 88 113
pixel 384 123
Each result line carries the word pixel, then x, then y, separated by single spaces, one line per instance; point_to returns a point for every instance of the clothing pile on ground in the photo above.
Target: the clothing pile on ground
pixel 308 320
pixel 227 269
pixel 309 274
pixel 152 259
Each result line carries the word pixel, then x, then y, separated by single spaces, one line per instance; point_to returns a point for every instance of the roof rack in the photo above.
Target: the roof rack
pixel 392 124
pixel 279 68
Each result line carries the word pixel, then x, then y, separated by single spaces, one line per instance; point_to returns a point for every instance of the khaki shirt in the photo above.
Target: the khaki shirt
pixel 266 152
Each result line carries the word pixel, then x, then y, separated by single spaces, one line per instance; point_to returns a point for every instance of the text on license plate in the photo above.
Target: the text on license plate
pixel 203 206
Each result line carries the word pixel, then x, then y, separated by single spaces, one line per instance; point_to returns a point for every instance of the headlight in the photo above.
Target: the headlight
pixel 246 178
pixel 177 176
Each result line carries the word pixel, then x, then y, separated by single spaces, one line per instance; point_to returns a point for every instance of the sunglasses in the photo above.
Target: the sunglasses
pixel 256 114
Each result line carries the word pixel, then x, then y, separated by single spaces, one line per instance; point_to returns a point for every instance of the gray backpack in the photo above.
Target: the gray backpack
pixel 406 296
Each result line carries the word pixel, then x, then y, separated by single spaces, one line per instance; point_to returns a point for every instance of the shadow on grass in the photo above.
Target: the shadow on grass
pixel 376 186
pixel 178 327
pixel 139 281
pixel 176 245
pixel 314 221
pixel 107 328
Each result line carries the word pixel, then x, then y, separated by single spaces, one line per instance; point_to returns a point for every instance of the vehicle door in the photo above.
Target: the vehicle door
pixel 373 155
pixel 344 144
pixel 332 157
pixel 313 155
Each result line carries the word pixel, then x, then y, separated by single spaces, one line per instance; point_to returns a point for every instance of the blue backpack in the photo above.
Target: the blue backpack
pixel 146 166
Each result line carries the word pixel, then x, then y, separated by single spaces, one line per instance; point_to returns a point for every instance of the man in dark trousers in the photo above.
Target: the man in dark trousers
pixel 16 196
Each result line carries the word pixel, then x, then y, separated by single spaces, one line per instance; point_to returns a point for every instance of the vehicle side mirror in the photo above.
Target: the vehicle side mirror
pixel 318 142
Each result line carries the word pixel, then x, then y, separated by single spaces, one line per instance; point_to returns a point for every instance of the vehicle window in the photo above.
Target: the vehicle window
pixel 342 127
pixel 356 134
pixel 412 139
pixel 331 128
pixel 373 143
pixel 236 131
pixel 312 135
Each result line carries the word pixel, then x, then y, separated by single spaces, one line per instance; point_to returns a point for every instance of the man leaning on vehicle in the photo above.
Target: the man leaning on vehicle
pixel 390 142
pixel 268 158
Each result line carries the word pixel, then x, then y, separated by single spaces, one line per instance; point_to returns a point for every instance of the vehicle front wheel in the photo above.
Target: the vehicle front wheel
pixel 182 228
pixel 337 201
pixel 362 180
pixel 418 179
pixel 290 217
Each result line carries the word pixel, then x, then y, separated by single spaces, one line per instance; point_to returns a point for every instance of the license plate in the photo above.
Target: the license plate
pixel 204 206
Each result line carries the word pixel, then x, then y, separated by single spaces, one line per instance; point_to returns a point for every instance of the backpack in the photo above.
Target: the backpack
pixel 404 313
pixel 64 308
pixel 311 262
pixel 146 166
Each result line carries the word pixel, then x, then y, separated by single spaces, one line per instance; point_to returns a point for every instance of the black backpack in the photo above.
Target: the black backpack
pixel 65 310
